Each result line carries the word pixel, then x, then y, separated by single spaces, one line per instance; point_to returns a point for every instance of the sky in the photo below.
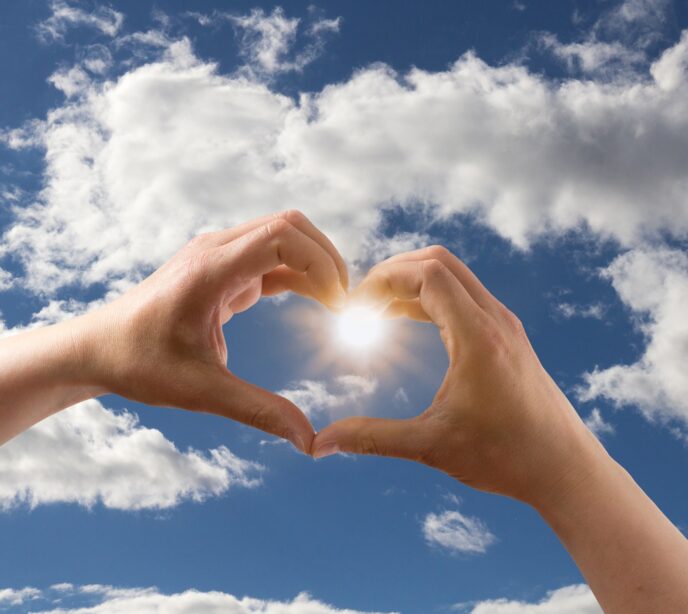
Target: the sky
pixel 544 143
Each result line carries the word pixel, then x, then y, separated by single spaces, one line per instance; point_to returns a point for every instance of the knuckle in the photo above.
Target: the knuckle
pixel 198 241
pixel 278 228
pixel 438 252
pixel 434 269
pixel 294 216
pixel 514 323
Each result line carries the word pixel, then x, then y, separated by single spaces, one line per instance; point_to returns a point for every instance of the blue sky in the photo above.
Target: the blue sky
pixel 544 143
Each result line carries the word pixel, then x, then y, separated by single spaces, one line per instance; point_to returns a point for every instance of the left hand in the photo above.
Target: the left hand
pixel 161 343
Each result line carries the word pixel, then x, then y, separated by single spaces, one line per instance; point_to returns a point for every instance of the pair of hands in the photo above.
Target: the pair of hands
pixel 498 422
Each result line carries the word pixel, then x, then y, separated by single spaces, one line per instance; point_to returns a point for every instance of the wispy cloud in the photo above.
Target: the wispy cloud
pixel 316 397
pixel 66 15
pixel 88 454
pixel 455 532
pixel 598 425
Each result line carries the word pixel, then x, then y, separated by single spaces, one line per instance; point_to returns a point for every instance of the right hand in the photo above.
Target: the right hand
pixel 498 422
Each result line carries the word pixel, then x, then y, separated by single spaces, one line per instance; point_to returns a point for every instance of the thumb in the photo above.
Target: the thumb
pixel 232 397
pixel 378 436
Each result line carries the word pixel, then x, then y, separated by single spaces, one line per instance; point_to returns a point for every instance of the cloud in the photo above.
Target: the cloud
pixel 88 454
pixel 67 15
pixel 653 284
pixel 175 139
pixel 103 599
pixel 268 41
pixel 592 56
pixel 457 532
pixel 316 397
pixel 595 311
pixel 574 599
pixel 6 280
pixel 11 596
pixel 596 423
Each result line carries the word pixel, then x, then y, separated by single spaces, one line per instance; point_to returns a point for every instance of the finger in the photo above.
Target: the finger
pixel 440 294
pixel 227 395
pixel 284 279
pixel 480 294
pixel 378 436
pixel 295 218
pixel 406 309
pixel 262 250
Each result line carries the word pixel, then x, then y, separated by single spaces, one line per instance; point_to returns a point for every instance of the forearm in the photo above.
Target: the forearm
pixel 634 559
pixel 41 372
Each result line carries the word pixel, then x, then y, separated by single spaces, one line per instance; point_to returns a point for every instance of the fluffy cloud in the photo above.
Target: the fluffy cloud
pixel 103 599
pixel 67 15
pixel 574 599
pixel 654 286
pixel 457 532
pixel 12 596
pixel 89 454
pixel 176 140
pixel 316 397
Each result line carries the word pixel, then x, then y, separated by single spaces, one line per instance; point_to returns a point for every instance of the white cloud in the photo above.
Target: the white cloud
pixel 67 15
pixel 89 454
pixel 574 599
pixel 592 56
pixel 316 397
pixel 268 41
pixel 11 596
pixel 6 280
pixel 106 599
pixel 598 425
pixel 457 532
pixel 174 139
pixel 653 284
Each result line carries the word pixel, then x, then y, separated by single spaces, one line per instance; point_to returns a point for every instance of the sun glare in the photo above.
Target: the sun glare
pixel 359 328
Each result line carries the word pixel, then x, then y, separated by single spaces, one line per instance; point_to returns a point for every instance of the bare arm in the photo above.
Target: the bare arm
pixel 499 423
pixel 161 343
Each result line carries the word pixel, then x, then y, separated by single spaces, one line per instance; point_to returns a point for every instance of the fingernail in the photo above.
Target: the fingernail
pixel 327 449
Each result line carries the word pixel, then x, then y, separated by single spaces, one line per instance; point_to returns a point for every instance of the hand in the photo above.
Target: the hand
pixel 161 343
pixel 498 422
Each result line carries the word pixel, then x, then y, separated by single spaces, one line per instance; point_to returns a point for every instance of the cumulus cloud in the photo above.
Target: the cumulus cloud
pixel 67 15
pixel 574 599
pixel 88 454
pixel 597 424
pixel 176 140
pixel 653 284
pixel 316 397
pixel 103 599
pixel 456 532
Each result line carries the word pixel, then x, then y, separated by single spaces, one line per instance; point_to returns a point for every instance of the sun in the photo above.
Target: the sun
pixel 359 328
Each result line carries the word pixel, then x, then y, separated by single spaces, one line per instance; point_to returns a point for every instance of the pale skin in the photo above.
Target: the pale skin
pixel 498 423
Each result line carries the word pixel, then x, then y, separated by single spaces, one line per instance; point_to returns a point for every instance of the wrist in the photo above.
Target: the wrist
pixel 81 357
pixel 584 468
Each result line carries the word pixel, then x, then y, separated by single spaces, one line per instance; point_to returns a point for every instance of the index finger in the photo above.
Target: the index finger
pixel 440 294
pixel 296 219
